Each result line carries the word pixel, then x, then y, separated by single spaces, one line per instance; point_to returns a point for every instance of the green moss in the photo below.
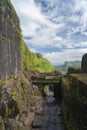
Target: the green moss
pixel 2 125
pixel 5 81
pixel 14 93
pixel 4 39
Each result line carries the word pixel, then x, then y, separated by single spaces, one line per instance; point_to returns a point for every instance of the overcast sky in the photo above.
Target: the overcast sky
pixel 55 28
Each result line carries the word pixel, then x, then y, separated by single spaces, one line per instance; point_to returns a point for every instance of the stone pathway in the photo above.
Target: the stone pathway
pixel 51 117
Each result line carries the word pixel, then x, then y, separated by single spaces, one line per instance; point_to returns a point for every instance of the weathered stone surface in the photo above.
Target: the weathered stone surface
pixel 52 127
pixel 10 55
pixel 39 109
pixel 49 119
pixel 2 109
pixel 84 63
pixel 45 118
pixel 37 122
pixel 31 118
pixel 75 101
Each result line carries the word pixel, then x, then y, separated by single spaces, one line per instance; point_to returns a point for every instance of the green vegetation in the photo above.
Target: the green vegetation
pixel 5 81
pixel 63 68
pixel 31 60
pixel 2 125
pixel 13 93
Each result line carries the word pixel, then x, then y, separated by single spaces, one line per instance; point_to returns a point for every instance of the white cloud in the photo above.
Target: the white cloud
pixel 58 58
pixel 54 26
pixel 81 6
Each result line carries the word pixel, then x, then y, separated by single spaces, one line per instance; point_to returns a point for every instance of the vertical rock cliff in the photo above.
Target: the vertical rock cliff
pixel 10 52
pixel 84 63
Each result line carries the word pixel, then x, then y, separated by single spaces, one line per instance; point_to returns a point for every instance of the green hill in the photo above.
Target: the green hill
pixel 31 60
pixel 63 68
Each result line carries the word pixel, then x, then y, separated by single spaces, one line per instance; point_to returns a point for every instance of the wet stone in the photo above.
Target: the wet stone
pixel 51 117
pixel 52 127
pixel 37 122
pixel 45 118
pixel 60 128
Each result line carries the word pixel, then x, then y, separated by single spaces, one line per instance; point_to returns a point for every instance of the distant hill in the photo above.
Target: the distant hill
pixel 63 68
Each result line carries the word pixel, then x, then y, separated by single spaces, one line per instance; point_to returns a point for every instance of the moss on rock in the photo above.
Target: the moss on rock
pixel 74 102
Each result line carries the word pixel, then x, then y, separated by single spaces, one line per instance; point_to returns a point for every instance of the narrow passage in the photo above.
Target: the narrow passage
pixel 51 118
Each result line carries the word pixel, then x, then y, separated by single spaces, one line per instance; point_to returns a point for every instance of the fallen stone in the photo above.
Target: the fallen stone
pixel 31 117
pixel 19 123
pixel 27 120
pixel 39 111
pixel 17 117
pixel 32 109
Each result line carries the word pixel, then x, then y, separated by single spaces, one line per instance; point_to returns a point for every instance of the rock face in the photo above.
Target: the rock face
pixel 10 55
pixel 74 103
pixel 84 63
pixel 19 101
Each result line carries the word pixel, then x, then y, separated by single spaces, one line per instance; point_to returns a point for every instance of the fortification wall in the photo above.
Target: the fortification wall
pixel 74 104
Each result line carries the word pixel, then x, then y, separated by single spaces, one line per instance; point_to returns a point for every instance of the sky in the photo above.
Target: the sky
pixel 55 28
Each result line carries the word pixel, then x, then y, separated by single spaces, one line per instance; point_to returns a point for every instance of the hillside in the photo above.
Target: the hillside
pixel 63 68
pixel 31 61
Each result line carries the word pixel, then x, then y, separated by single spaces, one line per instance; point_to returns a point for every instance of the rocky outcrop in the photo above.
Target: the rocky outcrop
pixel 10 52
pixel 19 101
pixel 84 63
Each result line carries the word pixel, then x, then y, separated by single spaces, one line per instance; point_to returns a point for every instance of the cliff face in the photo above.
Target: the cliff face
pixel 84 63
pixel 14 54
pixel 10 55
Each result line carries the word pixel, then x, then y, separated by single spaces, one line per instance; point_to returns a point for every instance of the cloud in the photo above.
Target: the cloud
pixel 54 28
pixel 58 58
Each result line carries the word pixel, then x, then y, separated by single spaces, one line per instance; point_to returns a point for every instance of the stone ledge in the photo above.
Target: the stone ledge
pixel 81 77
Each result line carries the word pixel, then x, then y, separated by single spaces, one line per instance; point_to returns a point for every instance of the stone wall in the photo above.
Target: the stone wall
pixel 10 55
pixel 74 102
